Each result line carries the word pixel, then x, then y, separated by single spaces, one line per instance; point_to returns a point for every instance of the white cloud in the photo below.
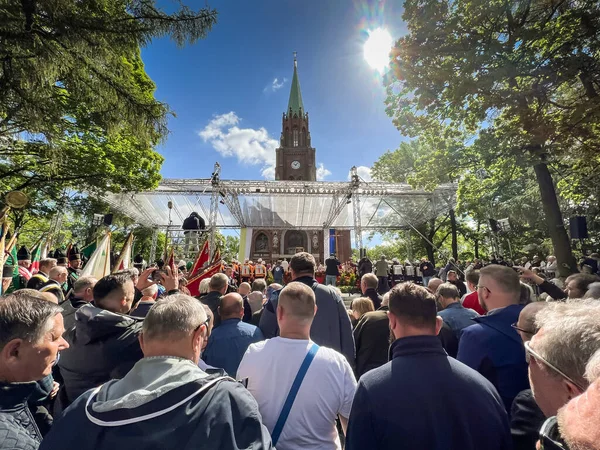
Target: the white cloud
pixel 364 173
pixel 275 85
pixel 248 145
pixel 322 172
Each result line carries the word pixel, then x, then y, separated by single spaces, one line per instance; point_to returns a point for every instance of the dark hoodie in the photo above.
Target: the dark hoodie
pixel 163 403
pixel 103 346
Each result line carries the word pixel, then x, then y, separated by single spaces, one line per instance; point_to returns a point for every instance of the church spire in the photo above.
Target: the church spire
pixel 295 103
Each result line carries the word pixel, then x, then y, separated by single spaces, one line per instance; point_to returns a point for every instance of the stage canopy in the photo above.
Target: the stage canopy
pixel 285 204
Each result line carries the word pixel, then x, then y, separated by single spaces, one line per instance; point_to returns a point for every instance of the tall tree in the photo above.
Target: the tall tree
pixel 68 64
pixel 524 74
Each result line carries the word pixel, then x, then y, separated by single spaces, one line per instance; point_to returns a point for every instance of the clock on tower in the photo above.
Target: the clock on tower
pixel 295 158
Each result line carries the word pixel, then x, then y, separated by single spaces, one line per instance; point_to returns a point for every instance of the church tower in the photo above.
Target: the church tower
pixel 295 158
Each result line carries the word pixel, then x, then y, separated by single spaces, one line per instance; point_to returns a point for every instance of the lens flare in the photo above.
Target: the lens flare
pixel 377 49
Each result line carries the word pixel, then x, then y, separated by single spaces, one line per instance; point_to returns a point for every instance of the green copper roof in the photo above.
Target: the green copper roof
pixel 295 103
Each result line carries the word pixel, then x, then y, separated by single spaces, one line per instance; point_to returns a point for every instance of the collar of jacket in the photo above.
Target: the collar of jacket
pixel 14 394
pixel 371 291
pixel 415 345
pixel 501 319
pixel 308 280
pixel 231 321
pixel 454 305
pixel 383 308
pixel 77 302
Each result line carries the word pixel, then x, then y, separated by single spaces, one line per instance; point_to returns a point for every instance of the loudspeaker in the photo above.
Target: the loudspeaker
pixel 578 227
pixel 493 225
pixel 108 219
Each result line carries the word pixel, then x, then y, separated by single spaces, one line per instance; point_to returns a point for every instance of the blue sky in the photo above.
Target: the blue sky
pixel 229 91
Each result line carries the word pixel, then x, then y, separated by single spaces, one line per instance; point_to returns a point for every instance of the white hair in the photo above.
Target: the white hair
pixel 571 335
pixel 255 299
pixel 386 299
pixel 203 288
pixel 150 291
pixel 593 291
pixel 592 370
pixel 175 315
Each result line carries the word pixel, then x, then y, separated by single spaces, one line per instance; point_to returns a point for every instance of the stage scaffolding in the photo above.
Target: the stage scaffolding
pixel 357 204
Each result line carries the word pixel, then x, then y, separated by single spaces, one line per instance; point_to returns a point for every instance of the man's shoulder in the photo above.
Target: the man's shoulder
pixel 13 436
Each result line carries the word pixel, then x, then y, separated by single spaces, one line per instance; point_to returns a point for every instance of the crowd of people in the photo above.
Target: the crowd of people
pixel 480 356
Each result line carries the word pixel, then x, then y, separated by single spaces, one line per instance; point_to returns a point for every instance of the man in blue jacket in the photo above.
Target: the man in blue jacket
pixel 492 346
pixel 423 399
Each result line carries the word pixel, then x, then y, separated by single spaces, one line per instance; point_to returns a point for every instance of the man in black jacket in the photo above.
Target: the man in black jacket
pixel 368 286
pixel 191 227
pixel 332 270
pixel 398 405
pixel 30 339
pixel 372 338
pixel 166 401
pixel 217 289
pixel 83 293
pixel 104 342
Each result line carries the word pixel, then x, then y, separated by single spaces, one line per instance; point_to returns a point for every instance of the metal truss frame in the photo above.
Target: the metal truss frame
pixel 228 192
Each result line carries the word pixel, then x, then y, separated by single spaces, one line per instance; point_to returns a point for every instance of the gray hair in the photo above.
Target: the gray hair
pixel 56 271
pixel 150 291
pixel 370 280
pixel 527 294
pixel 203 289
pixel 447 290
pixel 175 315
pixel 25 317
pixel 48 262
pixel 84 283
pixel 386 299
pixel 218 281
pixel 592 369
pixel 255 299
pixel 593 291
pixel 571 335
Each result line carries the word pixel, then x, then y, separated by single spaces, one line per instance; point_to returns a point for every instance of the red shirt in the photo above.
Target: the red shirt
pixel 471 301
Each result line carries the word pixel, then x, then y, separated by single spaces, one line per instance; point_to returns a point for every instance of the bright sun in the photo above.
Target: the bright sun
pixel 377 49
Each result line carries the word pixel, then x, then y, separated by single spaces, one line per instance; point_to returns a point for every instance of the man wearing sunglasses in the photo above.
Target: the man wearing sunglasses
pixel 569 336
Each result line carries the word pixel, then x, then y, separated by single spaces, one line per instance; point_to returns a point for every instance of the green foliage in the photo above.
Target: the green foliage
pixel 70 64
pixel 515 82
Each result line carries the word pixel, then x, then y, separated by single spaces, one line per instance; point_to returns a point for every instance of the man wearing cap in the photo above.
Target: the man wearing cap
pixel 7 276
pixel 24 261
pixel 61 258
pixel 74 268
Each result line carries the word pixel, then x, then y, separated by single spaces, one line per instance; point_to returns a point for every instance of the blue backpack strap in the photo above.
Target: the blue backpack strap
pixel 289 401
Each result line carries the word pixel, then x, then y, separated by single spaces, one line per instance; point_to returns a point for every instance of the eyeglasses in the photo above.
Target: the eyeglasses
pixel 522 330
pixel 550 438
pixel 530 353
pixel 479 286
pixel 206 322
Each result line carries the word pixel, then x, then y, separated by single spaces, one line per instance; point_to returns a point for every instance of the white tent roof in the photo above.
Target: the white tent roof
pixel 285 204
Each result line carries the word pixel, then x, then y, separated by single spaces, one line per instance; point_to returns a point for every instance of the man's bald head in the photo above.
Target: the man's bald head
pixel 244 289
pixel 232 306
pixel 298 302
pixel 526 323
pixel 433 284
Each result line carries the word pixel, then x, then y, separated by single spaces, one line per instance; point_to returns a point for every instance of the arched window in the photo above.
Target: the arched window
pixel 295 137
pixel 299 178
pixel 291 177
pixel 261 244
pixel 288 136
pixel 303 138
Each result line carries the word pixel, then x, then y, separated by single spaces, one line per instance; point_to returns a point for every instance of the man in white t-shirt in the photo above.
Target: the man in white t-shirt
pixel 270 367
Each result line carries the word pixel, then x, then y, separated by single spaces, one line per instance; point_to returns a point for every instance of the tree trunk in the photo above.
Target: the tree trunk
pixel 476 240
pixel 556 228
pixel 454 235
